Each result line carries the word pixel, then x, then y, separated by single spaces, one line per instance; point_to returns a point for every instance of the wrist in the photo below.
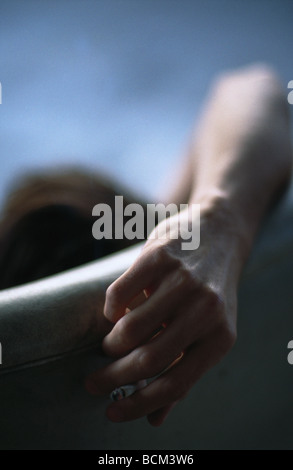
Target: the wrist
pixel 222 219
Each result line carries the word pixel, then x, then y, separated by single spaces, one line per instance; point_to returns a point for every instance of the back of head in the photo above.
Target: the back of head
pixel 46 225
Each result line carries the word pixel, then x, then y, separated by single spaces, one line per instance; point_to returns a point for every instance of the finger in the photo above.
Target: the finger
pixel 140 324
pixel 123 291
pixel 170 387
pixel 145 362
pixel 157 418
pixel 150 359
pixel 137 301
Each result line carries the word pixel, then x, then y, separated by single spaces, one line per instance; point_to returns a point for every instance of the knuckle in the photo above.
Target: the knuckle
pixel 146 363
pixel 112 292
pixel 214 303
pixel 129 326
pixel 124 332
pixel 227 337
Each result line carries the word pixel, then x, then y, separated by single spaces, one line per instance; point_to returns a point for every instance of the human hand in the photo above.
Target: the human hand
pixel 191 293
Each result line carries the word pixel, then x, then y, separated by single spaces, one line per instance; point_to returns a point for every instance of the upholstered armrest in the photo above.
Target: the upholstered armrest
pixel 50 331
pixel 60 314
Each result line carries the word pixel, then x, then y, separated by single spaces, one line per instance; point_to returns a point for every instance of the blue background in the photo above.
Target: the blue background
pixel 117 84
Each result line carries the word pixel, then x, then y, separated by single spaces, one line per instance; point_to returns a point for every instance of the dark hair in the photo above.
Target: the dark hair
pixel 46 226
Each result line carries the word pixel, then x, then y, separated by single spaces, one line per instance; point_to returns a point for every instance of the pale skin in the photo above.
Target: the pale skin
pixel 239 157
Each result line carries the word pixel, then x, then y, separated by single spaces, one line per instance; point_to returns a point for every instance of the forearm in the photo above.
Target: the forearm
pixel 241 157
pixel 244 149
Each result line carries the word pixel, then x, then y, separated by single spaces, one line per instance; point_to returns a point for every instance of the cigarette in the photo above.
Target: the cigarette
pixel 123 392
pixel 127 390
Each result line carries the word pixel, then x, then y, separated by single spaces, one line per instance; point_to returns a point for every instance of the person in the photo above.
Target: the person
pixel 239 159
pixel 46 224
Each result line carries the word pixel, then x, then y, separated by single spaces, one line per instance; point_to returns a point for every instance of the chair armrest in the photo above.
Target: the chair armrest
pixel 57 315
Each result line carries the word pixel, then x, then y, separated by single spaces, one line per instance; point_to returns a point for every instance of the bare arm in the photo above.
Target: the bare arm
pixel 244 145
pixel 241 157
pixel 227 118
